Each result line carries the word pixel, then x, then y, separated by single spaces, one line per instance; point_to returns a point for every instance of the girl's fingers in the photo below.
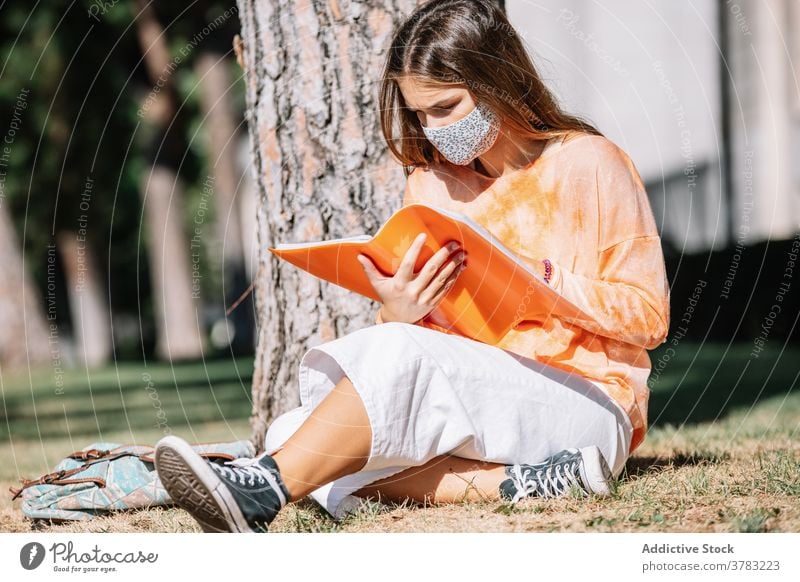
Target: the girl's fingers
pixel 441 277
pixel 433 267
pixel 406 269
pixel 429 283
pixel 369 268
pixel 442 288
pixel 442 292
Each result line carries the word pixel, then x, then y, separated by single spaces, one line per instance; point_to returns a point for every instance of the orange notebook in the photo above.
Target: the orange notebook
pixel 494 293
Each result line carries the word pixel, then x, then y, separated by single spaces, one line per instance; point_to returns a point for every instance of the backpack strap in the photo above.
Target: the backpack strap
pixel 92 456
pixel 63 477
pixel 89 454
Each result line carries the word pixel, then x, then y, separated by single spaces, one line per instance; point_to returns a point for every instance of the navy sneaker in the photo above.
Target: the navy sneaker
pixel 243 495
pixel 584 470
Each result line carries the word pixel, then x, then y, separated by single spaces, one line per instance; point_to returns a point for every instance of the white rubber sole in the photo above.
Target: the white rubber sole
pixel 595 471
pixel 194 486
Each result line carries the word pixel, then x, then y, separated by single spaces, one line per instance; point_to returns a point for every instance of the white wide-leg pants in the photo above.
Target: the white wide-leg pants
pixel 429 393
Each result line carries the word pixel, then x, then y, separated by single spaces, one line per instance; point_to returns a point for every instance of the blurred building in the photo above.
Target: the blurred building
pixel 703 95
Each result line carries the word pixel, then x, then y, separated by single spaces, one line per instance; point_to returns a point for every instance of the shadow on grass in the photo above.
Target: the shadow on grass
pixel 130 395
pixel 637 466
pixel 699 383
pixel 691 384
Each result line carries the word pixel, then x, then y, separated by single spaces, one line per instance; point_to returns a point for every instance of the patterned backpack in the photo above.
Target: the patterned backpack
pixel 106 477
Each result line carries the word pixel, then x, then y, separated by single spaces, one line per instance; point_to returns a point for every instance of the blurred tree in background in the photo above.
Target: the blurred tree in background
pixel 115 108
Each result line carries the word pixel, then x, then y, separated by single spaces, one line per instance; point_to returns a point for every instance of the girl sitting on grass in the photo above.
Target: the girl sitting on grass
pixel 402 410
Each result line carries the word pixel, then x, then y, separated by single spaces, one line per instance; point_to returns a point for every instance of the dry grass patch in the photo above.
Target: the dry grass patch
pixel 738 474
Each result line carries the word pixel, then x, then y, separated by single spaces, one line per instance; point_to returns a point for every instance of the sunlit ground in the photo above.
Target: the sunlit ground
pixel 722 453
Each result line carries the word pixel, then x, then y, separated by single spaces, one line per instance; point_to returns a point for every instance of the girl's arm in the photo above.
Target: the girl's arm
pixel 628 299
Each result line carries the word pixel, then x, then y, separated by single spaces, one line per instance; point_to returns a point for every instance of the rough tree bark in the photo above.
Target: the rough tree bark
pixel 322 167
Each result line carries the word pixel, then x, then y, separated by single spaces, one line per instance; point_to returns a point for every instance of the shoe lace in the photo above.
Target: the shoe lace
pixel 245 471
pixel 550 481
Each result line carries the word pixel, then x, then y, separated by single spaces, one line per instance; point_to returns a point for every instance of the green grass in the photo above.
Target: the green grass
pixel 722 452
pixel 127 397
pixel 43 421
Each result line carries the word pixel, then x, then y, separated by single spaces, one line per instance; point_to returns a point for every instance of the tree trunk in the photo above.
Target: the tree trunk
pixel 248 207
pixel 219 127
pixel 24 333
pixel 87 301
pixel 176 295
pixel 322 168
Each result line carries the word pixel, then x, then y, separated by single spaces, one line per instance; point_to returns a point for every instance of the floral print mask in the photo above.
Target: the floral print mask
pixel 464 140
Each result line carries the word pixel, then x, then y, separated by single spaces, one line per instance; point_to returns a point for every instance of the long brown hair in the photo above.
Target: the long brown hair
pixel 466 42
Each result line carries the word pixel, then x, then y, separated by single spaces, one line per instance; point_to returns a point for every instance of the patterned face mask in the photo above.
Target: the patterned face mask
pixel 464 140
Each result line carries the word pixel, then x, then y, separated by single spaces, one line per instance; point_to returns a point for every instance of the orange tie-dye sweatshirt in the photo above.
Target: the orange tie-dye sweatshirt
pixel 582 205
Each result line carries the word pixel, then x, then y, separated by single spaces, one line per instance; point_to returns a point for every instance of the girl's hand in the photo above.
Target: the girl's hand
pixel 407 297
